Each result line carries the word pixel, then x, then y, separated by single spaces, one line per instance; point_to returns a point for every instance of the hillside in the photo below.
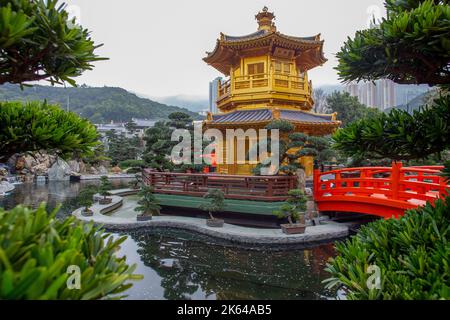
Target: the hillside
pixel 100 105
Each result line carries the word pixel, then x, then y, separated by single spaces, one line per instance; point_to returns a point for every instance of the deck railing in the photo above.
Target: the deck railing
pixel 257 188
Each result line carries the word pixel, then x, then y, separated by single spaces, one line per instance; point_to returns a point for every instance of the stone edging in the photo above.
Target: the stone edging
pixel 245 235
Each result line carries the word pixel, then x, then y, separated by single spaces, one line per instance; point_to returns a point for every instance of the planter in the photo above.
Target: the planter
pixel 143 218
pixel 215 223
pixel 103 201
pixel 88 213
pixel 296 228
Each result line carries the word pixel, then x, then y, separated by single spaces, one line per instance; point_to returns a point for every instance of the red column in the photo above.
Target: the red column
pixel 395 179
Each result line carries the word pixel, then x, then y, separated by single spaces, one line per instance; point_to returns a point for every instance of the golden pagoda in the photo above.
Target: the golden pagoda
pixel 267 79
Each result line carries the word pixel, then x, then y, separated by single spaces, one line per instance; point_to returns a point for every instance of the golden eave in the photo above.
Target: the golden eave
pixel 309 51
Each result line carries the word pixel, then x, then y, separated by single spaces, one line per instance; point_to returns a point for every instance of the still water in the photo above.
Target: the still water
pixel 183 265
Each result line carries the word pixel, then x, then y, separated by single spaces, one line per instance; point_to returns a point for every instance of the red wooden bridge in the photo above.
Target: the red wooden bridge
pixel 380 191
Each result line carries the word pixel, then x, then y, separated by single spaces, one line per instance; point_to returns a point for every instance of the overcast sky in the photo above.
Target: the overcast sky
pixel 156 47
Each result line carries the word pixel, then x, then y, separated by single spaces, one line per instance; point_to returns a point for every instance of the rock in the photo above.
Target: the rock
pixel 74 166
pixel 59 171
pixel 116 170
pixel 92 170
pixel 5 187
pixel 41 169
pixel 82 167
pixel 20 163
pixel 102 170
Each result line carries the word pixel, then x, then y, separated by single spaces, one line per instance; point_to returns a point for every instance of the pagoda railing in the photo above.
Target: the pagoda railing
pixel 264 82
pixel 257 188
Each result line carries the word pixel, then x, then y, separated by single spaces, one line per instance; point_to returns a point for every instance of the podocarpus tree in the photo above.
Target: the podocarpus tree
pixel 410 46
pixel 38 41
pixel 148 204
pixel 158 147
pixel 216 202
pixel 294 146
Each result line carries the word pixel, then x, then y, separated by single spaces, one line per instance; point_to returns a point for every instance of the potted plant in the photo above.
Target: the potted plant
pixel 105 187
pixel 85 199
pixel 216 203
pixel 294 211
pixel 148 204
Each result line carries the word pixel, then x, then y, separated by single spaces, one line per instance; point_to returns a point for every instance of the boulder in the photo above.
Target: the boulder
pixel 102 170
pixel 20 163
pixel 93 170
pixel 6 187
pixel 59 171
pixel 74 166
pixel 82 167
pixel 116 170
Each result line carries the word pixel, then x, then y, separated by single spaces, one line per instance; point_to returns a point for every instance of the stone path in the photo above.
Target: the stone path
pixel 323 232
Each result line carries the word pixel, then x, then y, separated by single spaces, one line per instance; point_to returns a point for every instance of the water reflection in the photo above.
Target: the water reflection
pixel 190 266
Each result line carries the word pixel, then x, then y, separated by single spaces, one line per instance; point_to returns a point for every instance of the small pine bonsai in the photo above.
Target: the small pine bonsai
pixel 148 204
pixel 295 207
pixel 86 197
pixel 105 187
pixel 216 202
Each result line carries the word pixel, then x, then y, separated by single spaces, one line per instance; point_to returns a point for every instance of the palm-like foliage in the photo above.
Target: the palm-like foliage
pixel 36 250
pixel 412 253
pixel 34 126
pixel 148 204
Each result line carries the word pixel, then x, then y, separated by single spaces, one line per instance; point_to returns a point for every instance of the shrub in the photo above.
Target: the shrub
pixel 131 163
pixel 295 207
pixel 86 197
pixel 36 250
pixel 148 204
pixel 216 202
pixel 412 253
pixel 105 186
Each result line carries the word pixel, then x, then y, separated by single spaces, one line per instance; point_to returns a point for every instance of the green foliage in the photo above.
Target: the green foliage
pixel 36 250
pixel 348 108
pixel 122 148
pixel 216 201
pixel 412 253
pixel 97 156
pixel 295 145
pixel 158 147
pixel 98 104
pixel 295 206
pixel 180 120
pixel 105 186
pixel 86 197
pixel 34 126
pixel 446 171
pixel 398 135
pixel 39 41
pixel 411 46
pixel 148 204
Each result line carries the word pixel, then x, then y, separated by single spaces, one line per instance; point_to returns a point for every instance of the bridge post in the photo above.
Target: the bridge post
pixel 395 178
pixel 316 179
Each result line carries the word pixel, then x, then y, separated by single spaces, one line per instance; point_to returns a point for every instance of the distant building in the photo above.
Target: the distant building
pixel 380 94
pixel 213 94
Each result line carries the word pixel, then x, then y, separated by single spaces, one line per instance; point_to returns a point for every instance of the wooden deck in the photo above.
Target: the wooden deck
pixel 253 188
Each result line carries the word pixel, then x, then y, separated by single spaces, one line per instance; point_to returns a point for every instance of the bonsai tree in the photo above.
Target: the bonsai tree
pixel 105 187
pixel 216 202
pixel 86 198
pixel 294 209
pixel 148 204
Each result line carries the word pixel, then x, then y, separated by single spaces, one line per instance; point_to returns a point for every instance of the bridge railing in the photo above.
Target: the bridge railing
pixel 394 183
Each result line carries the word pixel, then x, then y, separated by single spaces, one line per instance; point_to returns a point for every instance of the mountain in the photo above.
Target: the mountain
pixel 415 104
pixel 98 104
pixel 193 103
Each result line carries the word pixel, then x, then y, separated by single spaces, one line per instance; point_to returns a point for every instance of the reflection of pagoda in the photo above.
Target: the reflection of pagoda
pixel 268 80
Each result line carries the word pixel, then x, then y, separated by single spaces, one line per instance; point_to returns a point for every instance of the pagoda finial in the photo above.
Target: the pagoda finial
pixel 265 20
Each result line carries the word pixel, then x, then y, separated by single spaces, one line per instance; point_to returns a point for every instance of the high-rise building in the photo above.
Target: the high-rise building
pixel 380 94
pixel 213 94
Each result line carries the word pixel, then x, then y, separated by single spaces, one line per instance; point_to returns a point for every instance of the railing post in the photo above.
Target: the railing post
pixel 395 179
pixel 316 177
pixel 270 188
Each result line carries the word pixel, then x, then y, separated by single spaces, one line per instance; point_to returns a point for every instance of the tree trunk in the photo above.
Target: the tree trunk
pixel 210 215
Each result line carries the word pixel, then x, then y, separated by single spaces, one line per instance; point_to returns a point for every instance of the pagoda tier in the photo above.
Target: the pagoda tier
pixel 268 80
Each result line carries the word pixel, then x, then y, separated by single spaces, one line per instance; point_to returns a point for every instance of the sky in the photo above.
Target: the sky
pixel 155 48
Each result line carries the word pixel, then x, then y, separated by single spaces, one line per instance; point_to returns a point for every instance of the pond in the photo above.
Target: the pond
pixel 184 265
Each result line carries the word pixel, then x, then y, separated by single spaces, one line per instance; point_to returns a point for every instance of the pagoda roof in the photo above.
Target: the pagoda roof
pixel 308 51
pixel 267 115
